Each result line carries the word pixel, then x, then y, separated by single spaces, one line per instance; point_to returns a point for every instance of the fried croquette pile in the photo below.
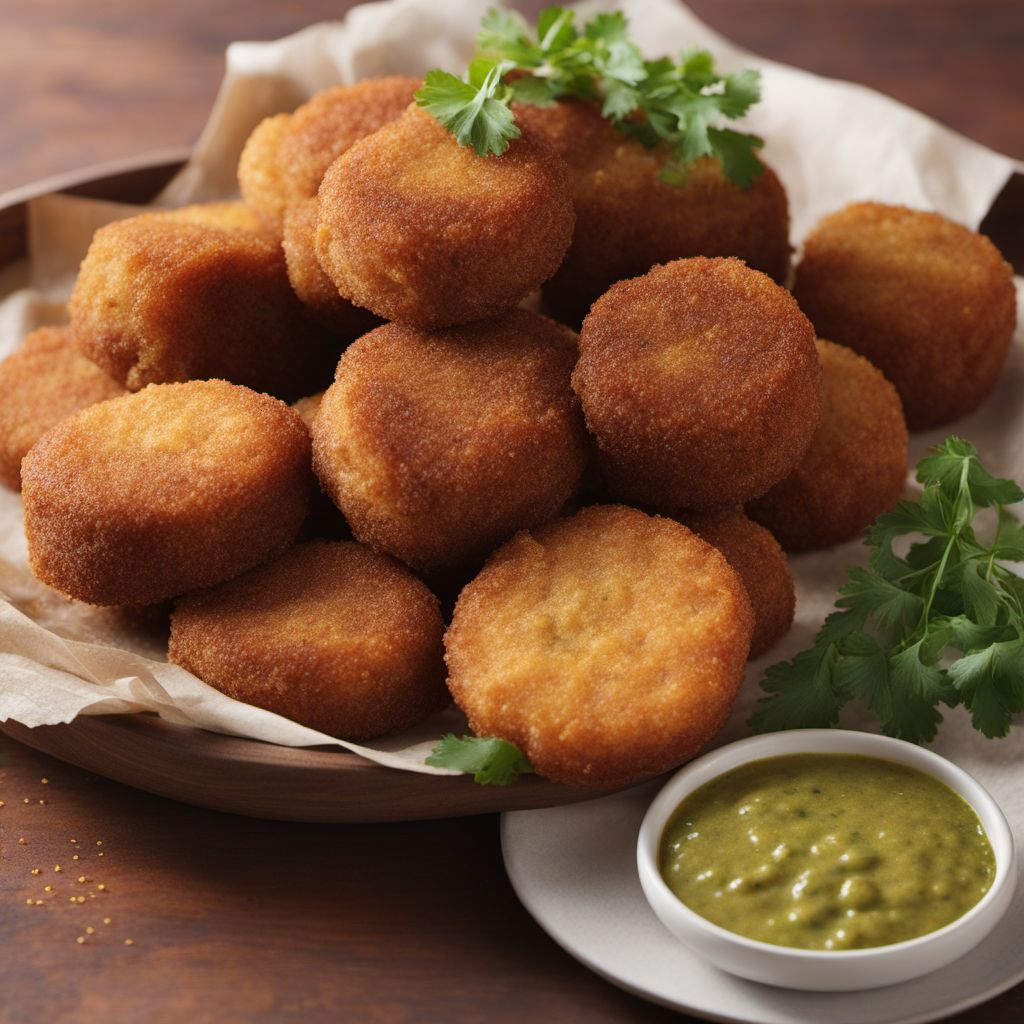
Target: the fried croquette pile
pixel 604 516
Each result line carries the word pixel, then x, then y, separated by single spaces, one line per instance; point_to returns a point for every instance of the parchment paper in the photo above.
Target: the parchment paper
pixel 830 142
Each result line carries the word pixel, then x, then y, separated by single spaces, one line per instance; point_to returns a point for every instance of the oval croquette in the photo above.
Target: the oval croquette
pixel 330 635
pixel 608 647
pixel 929 302
pixel 700 382
pixel 313 287
pixel 761 564
pixel 287 155
pixel 160 299
pixel 260 178
pixel 628 218
pixel 42 383
pixel 421 230
pixel 856 466
pixel 439 445
pixel 141 498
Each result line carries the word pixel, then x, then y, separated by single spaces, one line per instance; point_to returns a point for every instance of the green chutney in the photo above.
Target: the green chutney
pixel 827 851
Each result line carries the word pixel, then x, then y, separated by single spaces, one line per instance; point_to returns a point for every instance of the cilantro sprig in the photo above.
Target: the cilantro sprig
pixel 676 103
pixel 940 624
pixel 491 761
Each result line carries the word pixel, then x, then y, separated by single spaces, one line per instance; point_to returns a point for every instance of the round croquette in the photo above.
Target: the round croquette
pixel 929 302
pixel 313 287
pixel 439 445
pixel 700 382
pixel 42 383
pixel 143 497
pixel 160 299
pixel 287 155
pixel 628 218
pixel 761 564
pixel 608 647
pixel 330 634
pixel 856 466
pixel 421 230
pixel 260 178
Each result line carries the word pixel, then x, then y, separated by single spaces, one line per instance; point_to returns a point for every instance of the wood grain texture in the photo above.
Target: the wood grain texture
pixel 236 921
pixel 262 780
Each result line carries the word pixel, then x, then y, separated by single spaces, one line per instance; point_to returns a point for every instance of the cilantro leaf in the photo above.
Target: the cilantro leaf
pixel 949 601
pixel 679 105
pixel 476 111
pixel 492 761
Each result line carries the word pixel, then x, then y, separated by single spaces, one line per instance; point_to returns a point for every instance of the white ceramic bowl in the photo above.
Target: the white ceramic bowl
pixel 825 970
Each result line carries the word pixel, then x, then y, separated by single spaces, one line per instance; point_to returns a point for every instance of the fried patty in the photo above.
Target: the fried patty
pixel 42 383
pixel 929 302
pixel 608 647
pixel 160 299
pixel 856 466
pixel 628 218
pixel 700 382
pixel 143 497
pixel 761 564
pixel 330 635
pixel 438 445
pixel 421 230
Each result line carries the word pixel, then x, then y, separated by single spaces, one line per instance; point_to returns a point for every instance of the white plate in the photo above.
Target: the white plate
pixel 574 869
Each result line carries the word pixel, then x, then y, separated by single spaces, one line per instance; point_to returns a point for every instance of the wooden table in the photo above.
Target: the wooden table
pixel 173 914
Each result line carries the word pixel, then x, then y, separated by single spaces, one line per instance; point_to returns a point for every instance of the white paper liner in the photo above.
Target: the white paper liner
pixel 830 142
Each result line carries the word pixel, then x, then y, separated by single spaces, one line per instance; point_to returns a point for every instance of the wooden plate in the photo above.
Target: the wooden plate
pixel 228 773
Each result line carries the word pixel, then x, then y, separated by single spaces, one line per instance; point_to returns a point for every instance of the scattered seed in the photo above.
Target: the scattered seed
pixel 82 878
pixel 47 888
pixel 101 887
pixel 90 930
pixel 45 782
pixel 106 920
pixel 57 867
pixel 80 940
pixel 37 871
pixel 22 841
pixel 74 856
pixel 129 942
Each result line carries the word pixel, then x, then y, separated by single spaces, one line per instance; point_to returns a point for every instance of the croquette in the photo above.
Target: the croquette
pixel 313 287
pixel 260 178
pixel 628 218
pixel 287 155
pixel 761 564
pixel 437 446
pixel 144 497
pixel 856 466
pixel 608 646
pixel 160 299
pixel 42 383
pixel 700 382
pixel 308 407
pixel 929 302
pixel 421 230
pixel 331 635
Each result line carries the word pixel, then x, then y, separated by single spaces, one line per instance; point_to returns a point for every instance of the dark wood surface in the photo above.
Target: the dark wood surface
pixel 234 920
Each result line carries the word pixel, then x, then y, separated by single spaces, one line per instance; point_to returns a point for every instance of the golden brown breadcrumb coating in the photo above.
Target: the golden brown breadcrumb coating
pixel 143 497
pixel 929 302
pixel 628 219
pixel 761 564
pixel 42 383
pixel 314 288
pixel 422 230
pixel 332 121
pixel 260 178
pixel 308 407
pixel 608 647
pixel 219 215
pixel 161 300
pixel 331 635
pixel 286 156
pixel 439 445
pixel 856 466
pixel 700 382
